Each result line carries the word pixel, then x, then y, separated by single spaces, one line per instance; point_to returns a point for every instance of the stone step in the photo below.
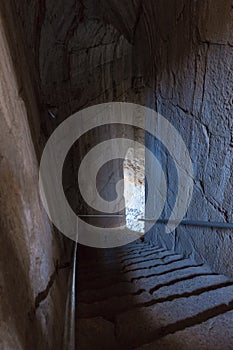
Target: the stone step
pixel 191 285
pixel 128 259
pixel 118 250
pixel 214 334
pixel 144 324
pixel 152 262
pixel 110 307
pixel 118 289
pixel 159 270
pixel 148 298
pixel 104 261
pixel 130 276
pixel 144 284
pixel 168 278
pixel 121 268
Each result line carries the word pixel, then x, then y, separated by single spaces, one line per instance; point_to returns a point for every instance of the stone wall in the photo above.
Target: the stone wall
pixel 193 90
pixel 34 260
pixel 174 56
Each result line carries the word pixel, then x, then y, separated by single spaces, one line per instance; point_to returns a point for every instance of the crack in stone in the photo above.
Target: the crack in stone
pixel 41 296
pixel 204 78
pixel 215 43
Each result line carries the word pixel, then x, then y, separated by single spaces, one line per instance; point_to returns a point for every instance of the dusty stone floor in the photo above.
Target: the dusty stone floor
pixel 145 297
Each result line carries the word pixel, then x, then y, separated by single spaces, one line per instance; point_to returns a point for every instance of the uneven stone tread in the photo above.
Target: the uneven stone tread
pixel 151 298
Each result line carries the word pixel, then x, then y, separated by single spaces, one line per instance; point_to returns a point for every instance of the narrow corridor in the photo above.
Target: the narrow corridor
pixel 116 123
pixel 146 297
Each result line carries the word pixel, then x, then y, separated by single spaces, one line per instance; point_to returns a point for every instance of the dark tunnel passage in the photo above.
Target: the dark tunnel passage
pixel 116 160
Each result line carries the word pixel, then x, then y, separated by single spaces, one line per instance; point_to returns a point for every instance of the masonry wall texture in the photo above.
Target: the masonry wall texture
pixel 194 91
pixel 174 56
pixel 33 259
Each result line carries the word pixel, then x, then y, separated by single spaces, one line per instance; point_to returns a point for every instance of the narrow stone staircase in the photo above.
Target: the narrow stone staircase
pixel 145 297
